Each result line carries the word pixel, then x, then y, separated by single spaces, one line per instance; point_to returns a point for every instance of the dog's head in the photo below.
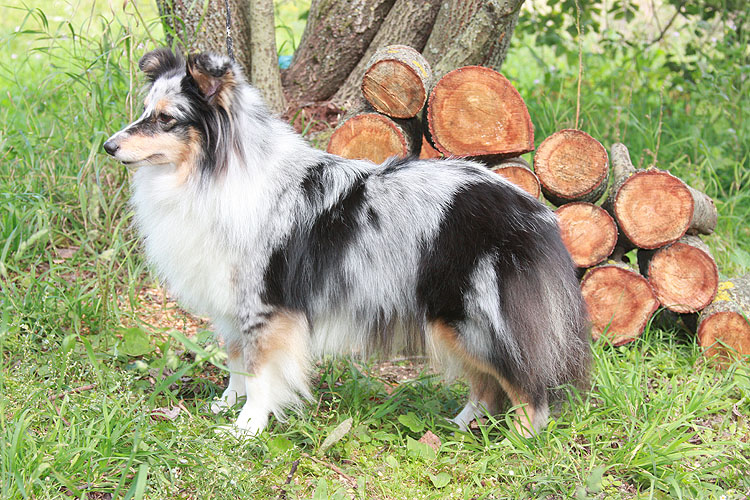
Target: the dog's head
pixel 185 113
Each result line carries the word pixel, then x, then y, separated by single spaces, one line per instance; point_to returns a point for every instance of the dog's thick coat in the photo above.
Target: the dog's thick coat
pixel 294 252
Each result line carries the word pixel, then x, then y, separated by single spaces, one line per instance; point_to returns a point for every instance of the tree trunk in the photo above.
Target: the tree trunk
pixel 475 111
pixel 197 26
pixel 471 32
pixel 724 329
pixel 683 275
pixel 336 36
pixel 572 166
pixel 396 81
pixel 409 22
pixel 588 232
pixel 264 72
pixel 371 136
pixel 620 302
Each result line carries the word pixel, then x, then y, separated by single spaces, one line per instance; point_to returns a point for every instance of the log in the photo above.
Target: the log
pixel 620 302
pixel 396 81
pixel 427 151
pixel 652 207
pixel 336 36
pixel 723 328
pixel 572 166
pixel 409 22
pixel 475 111
pixel 683 274
pixel 375 137
pixel 588 232
pixel 518 171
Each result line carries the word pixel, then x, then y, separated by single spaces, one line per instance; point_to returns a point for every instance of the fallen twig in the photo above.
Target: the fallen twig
pixel 59 414
pixel 73 391
pixel 289 478
pixel 349 479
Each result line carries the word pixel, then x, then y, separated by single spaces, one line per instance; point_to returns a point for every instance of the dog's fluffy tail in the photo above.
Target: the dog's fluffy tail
pixel 546 317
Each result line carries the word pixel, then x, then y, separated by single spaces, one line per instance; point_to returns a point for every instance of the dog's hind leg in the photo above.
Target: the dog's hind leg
pixel 489 387
pixel 531 410
pixel 485 398
pixel 278 364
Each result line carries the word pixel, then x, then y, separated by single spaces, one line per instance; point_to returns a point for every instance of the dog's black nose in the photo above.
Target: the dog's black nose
pixel 110 147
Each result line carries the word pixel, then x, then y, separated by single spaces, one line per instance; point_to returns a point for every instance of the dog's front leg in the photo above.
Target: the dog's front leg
pixel 277 361
pixel 236 387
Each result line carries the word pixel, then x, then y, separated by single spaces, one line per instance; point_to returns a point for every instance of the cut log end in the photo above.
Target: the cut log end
pixel 653 208
pixel 725 334
pixel 724 329
pixel 475 111
pixel 572 166
pixel 588 232
pixel 684 278
pixel 620 303
pixel 521 177
pixel 396 81
pixel 370 136
pixel 427 151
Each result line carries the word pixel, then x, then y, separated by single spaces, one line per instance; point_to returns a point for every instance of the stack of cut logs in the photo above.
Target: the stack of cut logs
pixel 475 112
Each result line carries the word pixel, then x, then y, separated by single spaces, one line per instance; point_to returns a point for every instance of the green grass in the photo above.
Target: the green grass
pixel 659 421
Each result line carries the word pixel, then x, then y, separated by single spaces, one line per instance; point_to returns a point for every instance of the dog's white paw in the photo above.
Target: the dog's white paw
pixel 236 432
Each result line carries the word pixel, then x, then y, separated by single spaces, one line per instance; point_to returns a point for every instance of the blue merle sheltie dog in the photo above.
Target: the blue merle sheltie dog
pixel 294 253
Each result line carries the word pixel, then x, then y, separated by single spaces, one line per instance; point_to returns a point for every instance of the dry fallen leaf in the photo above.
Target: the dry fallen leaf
pixel 165 413
pixel 431 440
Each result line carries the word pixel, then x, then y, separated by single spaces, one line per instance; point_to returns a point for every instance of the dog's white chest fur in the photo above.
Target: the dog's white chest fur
pixel 181 243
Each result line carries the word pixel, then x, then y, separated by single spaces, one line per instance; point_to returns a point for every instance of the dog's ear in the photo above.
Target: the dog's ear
pixel 159 61
pixel 213 74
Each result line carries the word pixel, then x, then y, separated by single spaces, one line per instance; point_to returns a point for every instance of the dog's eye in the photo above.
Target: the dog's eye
pixel 164 118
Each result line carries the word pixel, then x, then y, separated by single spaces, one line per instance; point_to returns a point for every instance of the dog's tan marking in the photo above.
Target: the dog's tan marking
pixel 188 156
pixel 165 148
pixel 286 335
pixel 234 350
pixel 485 380
pixel 160 106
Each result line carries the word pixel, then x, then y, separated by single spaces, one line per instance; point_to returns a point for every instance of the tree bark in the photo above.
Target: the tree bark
pixel 588 232
pixel 572 166
pixel 475 111
pixel 620 302
pixel 409 22
pixel 197 26
pixel 471 32
pixel 397 81
pixel 724 329
pixel 683 275
pixel 336 36
pixel 372 136
pixel 264 73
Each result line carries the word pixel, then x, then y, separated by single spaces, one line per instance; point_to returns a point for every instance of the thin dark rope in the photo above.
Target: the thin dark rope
pixel 230 52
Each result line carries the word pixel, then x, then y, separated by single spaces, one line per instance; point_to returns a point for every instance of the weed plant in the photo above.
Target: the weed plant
pixel 97 401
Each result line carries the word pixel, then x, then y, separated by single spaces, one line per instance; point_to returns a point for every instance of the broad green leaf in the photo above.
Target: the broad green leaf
pixel 411 421
pixel 135 342
pixel 440 480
